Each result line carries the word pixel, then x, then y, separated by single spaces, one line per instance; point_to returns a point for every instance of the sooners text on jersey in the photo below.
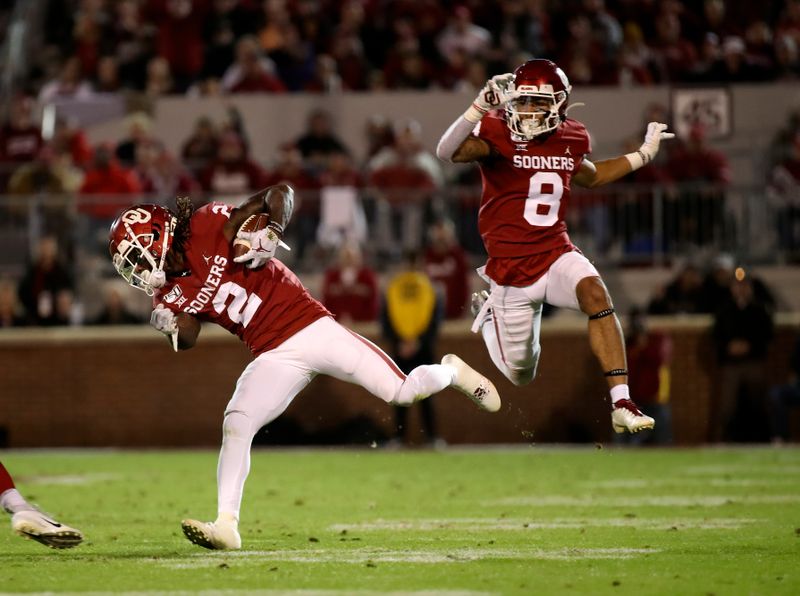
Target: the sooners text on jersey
pixel 263 307
pixel 526 187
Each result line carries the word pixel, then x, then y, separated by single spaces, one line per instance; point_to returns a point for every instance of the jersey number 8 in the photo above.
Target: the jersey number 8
pixel 544 199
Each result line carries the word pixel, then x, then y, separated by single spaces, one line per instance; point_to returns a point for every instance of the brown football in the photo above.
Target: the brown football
pixel 253 223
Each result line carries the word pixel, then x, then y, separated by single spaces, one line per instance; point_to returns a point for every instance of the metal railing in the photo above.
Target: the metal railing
pixel 616 226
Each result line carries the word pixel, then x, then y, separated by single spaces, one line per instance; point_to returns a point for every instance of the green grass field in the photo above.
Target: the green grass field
pixel 505 521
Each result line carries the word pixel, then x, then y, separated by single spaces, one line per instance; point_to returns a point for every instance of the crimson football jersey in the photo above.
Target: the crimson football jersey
pixel 526 188
pixel 263 307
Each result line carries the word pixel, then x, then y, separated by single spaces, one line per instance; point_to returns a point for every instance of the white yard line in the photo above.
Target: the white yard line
pixel 68 479
pixel 521 524
pixel 643 501
pixel 380 555
pixel 634 483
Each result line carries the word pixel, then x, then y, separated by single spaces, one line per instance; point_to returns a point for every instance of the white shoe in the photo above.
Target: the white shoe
pixel 473 384
pixel 212 535
pixel 626 416
pixel 41 528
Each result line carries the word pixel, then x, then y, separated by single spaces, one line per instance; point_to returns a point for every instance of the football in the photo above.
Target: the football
pixel 253 223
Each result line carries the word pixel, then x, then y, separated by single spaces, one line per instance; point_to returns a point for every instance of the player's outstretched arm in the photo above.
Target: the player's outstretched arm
pixel 609 170
pixel 277 201
pixel 458 144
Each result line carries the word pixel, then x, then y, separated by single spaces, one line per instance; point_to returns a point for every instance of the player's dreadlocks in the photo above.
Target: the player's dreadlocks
pixel 184 208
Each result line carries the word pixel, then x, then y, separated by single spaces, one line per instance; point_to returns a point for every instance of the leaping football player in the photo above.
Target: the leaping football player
pixel 28 521
pixel 186 262
pixel 529 153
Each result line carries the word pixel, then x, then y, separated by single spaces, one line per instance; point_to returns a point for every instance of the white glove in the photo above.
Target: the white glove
pixel 263 244
pixel 649 149
pixel 495 93
pixel 164 320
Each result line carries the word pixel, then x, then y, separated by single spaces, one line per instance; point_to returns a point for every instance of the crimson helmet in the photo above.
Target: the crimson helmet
pixel 540 92
pixel 138 241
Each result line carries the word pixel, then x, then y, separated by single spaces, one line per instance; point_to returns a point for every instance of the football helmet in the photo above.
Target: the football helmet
pixel 139 241
pixel 540 94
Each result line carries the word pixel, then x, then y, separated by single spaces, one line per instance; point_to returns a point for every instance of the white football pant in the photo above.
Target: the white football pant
pixel 511 327
pixel 270 382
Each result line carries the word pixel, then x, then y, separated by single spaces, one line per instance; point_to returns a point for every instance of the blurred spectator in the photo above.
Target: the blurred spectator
pixel 107 75
pixel 447 267
pixel 49 173
pixel 325 78
pixel 341 213
pixel 179 34
pixel 161 174
pixel 233 173
pixel 159 78
pixel 462 35
pixel 409 149
pixel 11 313
pixel 350 288
pixel 289 168
pixel 783 398
pixel 44 285
pixel 70 84
pixel 742 332
pixel 20 138
pixel 717 284
pixel 637 64
pixel 675 54
pixel 114 311
pixel 697 216
pixel 783 193
pixel 69 139
pixel 404 177
pixel 139 126
pixel 787 58
pixel 295 60
pixel 319 141
pixel 683 295
pixel 200 149
pixel 735 66
pixel 410 318
pixel 649 356
pixel 132 37
pixel 251 73
pixel 379 134
pixel 107 177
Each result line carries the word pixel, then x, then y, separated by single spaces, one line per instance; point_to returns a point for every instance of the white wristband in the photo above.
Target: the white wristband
pixel 636 160
pixel 473 114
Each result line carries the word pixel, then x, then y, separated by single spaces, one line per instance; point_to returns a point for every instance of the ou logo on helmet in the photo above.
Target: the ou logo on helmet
pixel 136 216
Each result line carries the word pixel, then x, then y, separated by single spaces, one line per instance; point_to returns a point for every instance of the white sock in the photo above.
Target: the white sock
pixel 424 381
pixel 234 462
pixel 619 392
pixel 228 518
pixel 13 502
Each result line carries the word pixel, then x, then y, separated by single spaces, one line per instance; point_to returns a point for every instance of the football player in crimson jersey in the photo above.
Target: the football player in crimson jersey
pixel 186 262
pixel 529 153
pixel 28 521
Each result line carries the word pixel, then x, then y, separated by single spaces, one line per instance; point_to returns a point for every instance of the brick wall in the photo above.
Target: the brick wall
pixel 124 387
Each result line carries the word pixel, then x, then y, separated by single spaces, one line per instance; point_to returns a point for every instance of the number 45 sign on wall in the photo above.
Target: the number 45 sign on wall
pixel 709 107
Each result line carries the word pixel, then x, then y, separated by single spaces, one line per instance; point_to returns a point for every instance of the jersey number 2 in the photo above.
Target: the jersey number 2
pixel 242 307
pixel 544 199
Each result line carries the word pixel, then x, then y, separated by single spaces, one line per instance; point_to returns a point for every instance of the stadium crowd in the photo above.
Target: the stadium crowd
pixel 276 46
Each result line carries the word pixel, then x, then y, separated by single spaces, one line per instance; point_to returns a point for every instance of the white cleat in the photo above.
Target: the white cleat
pixel 212 535
pixel 473 384
pixel 626 416
pixel 41 528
